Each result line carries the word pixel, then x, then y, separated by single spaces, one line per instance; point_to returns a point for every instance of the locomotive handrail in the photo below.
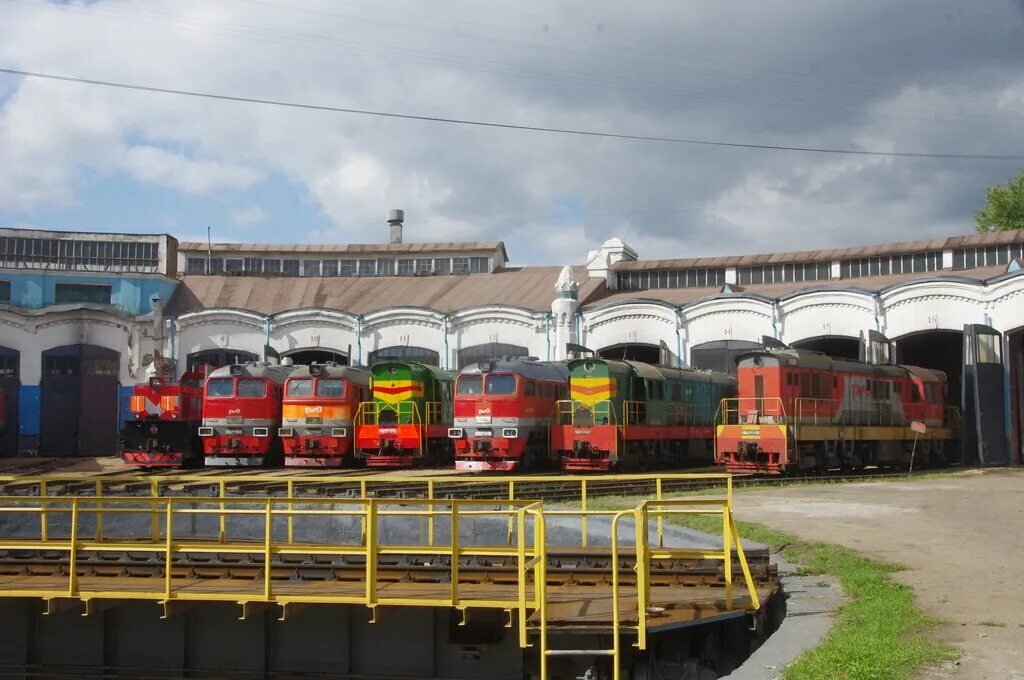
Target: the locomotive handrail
pixel 599 410
pixel 864 412
pixel 762 410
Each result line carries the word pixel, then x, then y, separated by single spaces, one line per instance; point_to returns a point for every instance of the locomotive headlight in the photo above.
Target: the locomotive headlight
pixel 510 433
pixel 455 433
pixel 339 432
pixel 260 432
pixel 205 432
pixel 285 432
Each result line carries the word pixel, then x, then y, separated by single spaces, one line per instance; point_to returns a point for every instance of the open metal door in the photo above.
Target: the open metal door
pixel 984 397
pixel 879 350
pixel 10 383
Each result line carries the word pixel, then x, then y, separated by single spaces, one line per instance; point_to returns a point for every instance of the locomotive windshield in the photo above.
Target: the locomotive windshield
pixel 252 388
pixel 220 387
pixel 330 388
pixel 300 388
pixel 501 384
pixel 471 385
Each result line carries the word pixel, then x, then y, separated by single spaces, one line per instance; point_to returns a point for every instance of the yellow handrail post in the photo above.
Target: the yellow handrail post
pixel 291 507
pixel 370 542
pixel 169 530
pixel 643 587
pixel 363 520
pixel 583 515
pixel 754 600
pixel 43 528
pixel 221 491
pixel 661 518
pixel 73 556
pixel 511 497
pixel 541 587
pixel 455 554
pixel 521 574
pixel 99 510
pixel 727 552
pixel 154 519
pixel 430 512
pixel 267 535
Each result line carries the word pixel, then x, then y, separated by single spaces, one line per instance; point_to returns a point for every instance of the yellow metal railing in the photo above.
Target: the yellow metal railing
pixel 750 411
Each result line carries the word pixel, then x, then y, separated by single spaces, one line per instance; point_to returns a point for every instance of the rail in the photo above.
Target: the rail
pixel 183 526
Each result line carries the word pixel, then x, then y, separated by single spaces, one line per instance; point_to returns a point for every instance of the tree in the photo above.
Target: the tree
pixel 1004 207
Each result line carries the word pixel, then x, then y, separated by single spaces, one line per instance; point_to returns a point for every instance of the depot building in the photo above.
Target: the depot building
pixel 82 315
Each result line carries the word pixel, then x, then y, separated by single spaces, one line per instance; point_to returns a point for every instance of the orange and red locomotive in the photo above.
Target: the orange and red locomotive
pixel 165 414
pixel 242 414
pixel 800 410
pixel 504 410
pixel 320 402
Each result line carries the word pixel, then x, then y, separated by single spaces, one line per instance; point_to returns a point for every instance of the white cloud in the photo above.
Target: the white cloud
pixel 247 217
pixel 157 166
pixel 801 75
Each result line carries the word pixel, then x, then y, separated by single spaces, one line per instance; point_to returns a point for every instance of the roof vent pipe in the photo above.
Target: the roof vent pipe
pixel 395 219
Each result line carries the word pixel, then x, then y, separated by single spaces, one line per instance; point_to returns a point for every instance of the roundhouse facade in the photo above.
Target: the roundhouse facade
pixel 451 304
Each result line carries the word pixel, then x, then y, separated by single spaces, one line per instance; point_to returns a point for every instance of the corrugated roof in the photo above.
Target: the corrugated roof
pixel 828 255
pixel 530 287
pixel 683 296
pixel 342 248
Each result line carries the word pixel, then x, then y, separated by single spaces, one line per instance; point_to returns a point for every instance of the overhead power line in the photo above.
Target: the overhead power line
pixel 505 126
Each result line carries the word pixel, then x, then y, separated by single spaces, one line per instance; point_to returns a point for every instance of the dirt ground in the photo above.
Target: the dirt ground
pixel 961 538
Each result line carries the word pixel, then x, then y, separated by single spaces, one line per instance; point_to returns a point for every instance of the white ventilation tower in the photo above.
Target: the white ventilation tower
pixel 395 219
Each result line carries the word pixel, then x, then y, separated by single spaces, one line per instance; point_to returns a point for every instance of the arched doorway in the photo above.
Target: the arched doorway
pixel 491 350
pixel 720 355
pixel 940 350
pixel 316 355
pixel 10 383
pixel 79 388
pixel 636 351
pixel 837 346
pixel 221 356
pixel 405 353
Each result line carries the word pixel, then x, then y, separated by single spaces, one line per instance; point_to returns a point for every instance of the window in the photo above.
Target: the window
pixel 529 390
pixel 546 390
pixel 217 388
pixel 233 265
pixel 217 265
pixel 252 388
pixel 271 267
pixel 195 265
pixel 460 265
pixel 506 384
pixel 470 385
pixel 290 267
pixel 330 268
pixel 254 265
pixel 347 268
pixel 988 349
pixel 330 387
pixel 969 258
pixel 405 267
pixel 81 292
pixel 929 391
pixel 671 278
pixel 478 265
pixel 300 387
pixel 385 267
pixel 366 267
pixel 5 291
pixel 423 265
pixel 441 265
pixel 310 268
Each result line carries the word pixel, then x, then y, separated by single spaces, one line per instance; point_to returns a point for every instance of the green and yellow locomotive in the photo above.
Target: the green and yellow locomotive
pixel 631 414
pixel 407 422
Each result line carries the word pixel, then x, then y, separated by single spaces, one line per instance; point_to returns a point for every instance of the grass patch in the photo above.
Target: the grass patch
pixel 879 634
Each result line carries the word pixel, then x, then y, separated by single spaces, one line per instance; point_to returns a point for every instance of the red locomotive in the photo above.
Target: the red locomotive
pixel 319 404
pixel 242 414
pixel 165 416
pixel 504 410
pixel 799 410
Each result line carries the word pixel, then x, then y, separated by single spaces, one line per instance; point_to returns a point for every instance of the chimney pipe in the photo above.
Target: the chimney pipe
pixel 158 318
pixel 395 218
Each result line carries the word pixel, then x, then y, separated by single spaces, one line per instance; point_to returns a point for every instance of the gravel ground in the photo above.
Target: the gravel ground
pixel 959 537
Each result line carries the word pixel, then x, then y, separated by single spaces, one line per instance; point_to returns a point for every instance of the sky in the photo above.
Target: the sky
pixel 932 76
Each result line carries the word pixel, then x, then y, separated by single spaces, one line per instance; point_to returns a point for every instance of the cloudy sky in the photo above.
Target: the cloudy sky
pixel 913 75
